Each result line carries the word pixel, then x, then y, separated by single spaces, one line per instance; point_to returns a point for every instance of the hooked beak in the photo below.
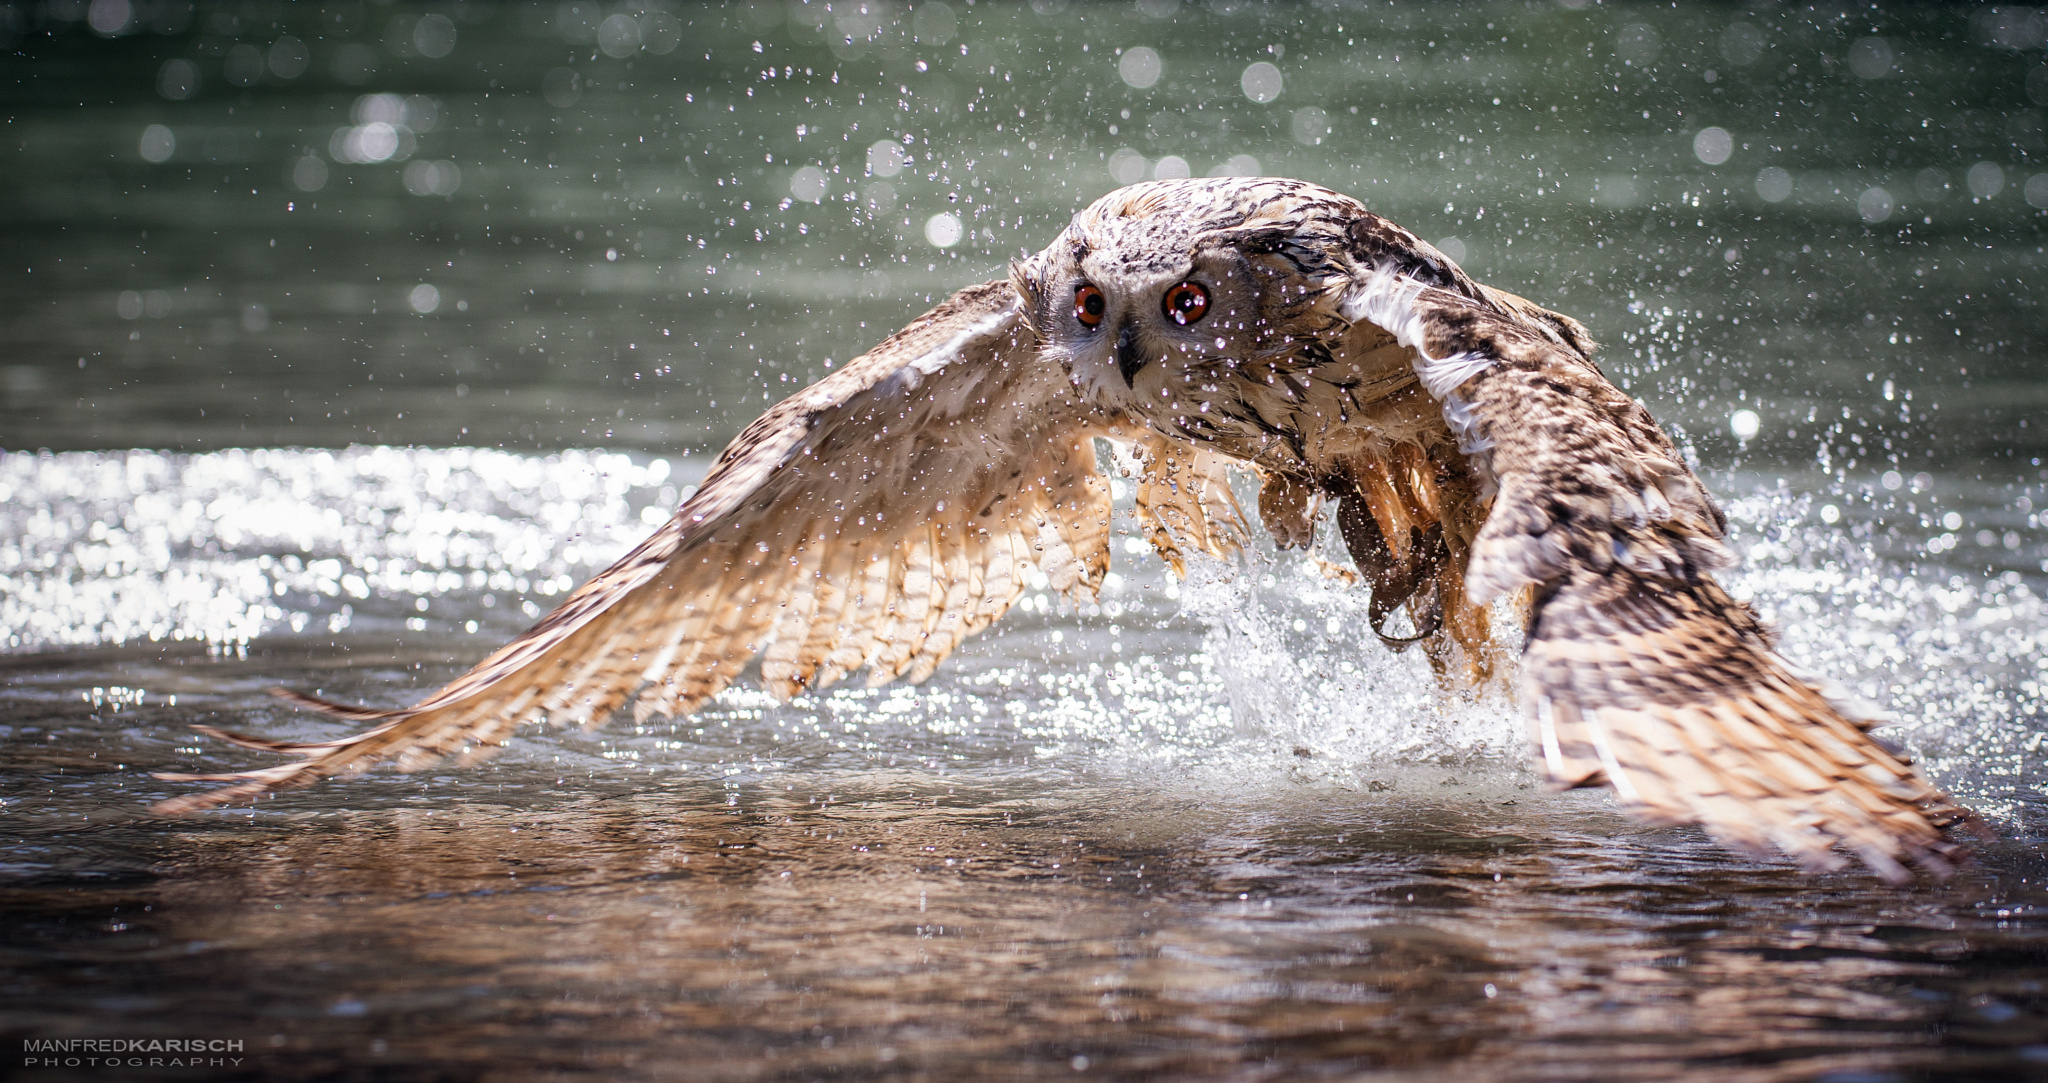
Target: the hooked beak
pixel 1128 359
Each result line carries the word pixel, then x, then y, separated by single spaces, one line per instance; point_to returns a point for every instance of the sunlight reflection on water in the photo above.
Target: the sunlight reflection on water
pixel 468 546
pixel 223 547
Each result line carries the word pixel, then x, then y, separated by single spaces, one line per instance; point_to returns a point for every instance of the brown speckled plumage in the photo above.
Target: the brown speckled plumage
pixel 1472 448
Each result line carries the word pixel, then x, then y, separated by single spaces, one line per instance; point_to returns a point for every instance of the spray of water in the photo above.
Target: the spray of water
pixel 1252 665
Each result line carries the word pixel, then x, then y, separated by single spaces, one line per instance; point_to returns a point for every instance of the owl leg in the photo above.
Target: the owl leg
pixel 1395 581
pixel 1428 579
pixel 1288 506
pixel 1466 653
pixel 1467 625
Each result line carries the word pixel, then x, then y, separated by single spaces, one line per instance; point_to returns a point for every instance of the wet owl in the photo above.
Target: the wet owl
pixel 1464 438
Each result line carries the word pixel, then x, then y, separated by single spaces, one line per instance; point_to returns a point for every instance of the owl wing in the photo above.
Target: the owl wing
pixel 1640 671
pixel 872 520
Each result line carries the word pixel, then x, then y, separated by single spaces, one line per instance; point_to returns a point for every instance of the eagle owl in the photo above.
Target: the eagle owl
pixel 1471 449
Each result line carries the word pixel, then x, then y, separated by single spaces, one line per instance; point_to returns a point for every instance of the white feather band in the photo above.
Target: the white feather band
pixel 1442 376
pixel 932 361
pixel 1388 300
pixel 1465 425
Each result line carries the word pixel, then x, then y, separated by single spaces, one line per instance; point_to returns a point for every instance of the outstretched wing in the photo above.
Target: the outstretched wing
pixel 1640 671
pixel 874 519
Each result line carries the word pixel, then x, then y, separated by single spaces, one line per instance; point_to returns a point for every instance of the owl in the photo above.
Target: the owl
pixel 1464 438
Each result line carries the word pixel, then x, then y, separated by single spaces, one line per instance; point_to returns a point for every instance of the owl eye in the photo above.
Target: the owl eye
pixel 1089 305
pixel 1185 303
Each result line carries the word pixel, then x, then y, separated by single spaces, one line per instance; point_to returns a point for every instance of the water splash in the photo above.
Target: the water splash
pixel 1957 655
pixel 1290 648
pixel 1249 664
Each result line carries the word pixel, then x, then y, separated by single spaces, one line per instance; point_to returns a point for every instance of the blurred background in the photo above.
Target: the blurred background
pixel 339 340
pixel 580 224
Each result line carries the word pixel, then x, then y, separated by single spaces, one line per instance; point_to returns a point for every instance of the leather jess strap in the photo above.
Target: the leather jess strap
pixel 1394 582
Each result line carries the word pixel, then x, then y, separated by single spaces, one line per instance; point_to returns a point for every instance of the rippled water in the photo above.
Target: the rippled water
pixel 1196 831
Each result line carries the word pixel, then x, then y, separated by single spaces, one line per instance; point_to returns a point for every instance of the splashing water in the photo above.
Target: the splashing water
pixel 468 546
pixel 1957 656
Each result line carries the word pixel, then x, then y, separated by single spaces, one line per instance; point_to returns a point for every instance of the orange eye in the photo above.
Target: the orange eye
pixel 1089 305
pixel 1186 303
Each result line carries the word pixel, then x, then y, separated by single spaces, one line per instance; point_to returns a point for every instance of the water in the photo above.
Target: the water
pixel 344 426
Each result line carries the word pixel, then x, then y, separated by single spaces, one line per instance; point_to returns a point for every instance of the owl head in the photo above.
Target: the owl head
pixel 1165 281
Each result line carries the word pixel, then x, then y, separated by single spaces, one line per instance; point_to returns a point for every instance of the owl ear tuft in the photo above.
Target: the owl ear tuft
pixel 1023 280
pixel 1030 292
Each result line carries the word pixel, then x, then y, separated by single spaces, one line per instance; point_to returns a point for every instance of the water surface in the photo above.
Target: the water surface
pixel 342 341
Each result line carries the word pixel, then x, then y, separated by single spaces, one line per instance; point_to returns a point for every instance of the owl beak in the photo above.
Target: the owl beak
pixel 1128 359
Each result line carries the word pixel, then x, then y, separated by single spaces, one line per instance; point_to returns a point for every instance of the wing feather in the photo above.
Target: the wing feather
pixel 1002 578
pixel 876 518
pixel 947 626
pixel 781 663
pixel 1184 501
pixel 1640 672
pixel 903 615
pixel 812 667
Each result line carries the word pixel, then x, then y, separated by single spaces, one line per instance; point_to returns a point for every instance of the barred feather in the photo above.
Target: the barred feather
pixel 1640 672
